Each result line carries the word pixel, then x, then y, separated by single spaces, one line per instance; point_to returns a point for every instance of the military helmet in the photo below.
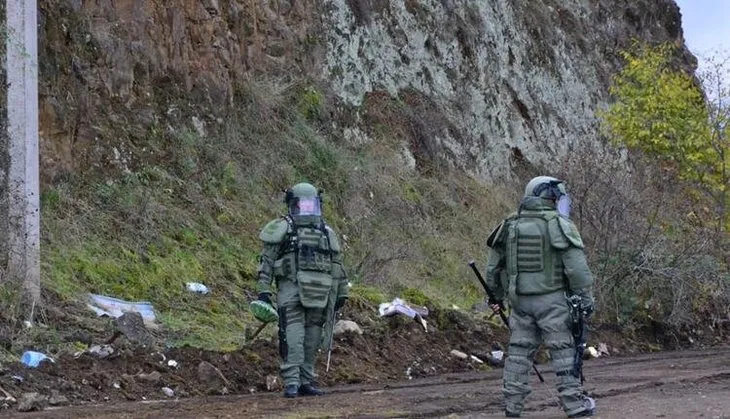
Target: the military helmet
pixel 546 187
pixel 304 202
pixel 551 191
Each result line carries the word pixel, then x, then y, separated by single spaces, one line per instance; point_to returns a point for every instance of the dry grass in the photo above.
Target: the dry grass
pixel 654 260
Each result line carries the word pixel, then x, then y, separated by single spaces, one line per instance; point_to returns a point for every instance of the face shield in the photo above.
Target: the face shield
pixel 306 207
pixel 564 205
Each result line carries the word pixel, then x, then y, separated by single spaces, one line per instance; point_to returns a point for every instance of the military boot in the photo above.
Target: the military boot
pixel 291 391
pixel 589 410
pixel 310 390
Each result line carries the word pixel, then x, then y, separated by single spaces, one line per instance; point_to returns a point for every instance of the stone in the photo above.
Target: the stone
pixel 345 326
pixel 131 325
pixel 101 351
pixel 81 336
pixel 212 378
pixel 199 126
pixel 152 377
pixel 57 399
pixel 591 352
pixel 31 402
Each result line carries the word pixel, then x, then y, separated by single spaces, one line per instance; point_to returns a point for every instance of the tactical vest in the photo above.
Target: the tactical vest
pixel 306 258
pixel 532 263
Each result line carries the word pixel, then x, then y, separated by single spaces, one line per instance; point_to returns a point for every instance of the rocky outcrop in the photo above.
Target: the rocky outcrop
pixel 112 71
pixel 513 79
pixel 505 80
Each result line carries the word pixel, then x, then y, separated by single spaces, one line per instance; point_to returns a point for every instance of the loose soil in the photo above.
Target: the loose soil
pixel 394 369
pixel 684 384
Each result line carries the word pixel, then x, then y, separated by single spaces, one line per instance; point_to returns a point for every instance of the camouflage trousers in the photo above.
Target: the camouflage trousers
pixel 537 319
pixel 300 335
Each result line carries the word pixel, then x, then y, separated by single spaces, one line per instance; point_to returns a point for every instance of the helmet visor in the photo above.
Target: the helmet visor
pixel 564 206
pixel 307 206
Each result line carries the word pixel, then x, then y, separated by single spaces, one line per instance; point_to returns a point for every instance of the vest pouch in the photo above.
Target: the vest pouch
pixel 314 288
pixel 278 268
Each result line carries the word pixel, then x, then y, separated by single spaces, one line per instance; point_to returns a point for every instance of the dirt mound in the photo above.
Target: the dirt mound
pixel 393 348
pixel 390 349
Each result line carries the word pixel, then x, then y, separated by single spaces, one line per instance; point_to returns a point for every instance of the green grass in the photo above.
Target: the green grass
pixel 192 212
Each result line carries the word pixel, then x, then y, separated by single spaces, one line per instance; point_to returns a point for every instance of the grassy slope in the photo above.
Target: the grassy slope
pixel 192 212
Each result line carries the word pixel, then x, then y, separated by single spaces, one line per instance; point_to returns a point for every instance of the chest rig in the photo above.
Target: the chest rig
pixel 306 258
pixel 533 265
pixel 310 247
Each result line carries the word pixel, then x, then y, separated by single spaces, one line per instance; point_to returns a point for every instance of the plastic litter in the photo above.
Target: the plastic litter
pixel 33 359
pixel 115 307
pixel 197 287
pixel 101 351
pixel 401 307
pixel 476 359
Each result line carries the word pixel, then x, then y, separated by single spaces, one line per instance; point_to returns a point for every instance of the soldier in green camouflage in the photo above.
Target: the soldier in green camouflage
pixel 303 256
pixel 536 259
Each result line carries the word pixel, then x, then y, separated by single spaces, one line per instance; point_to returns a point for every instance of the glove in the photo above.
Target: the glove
pixel 265 297
pixel 340 303
pixel 587 306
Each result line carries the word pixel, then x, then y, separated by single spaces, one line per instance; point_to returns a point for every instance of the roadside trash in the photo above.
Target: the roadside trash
pixel 101 351
pixel 273 383
pixel 400 306
pixel 498 355
pixel 17 378
pixel 603 349
pixel 33 359
pixel 114 307
pixel 172 363
pixel 592 352
pixel 197 287
pixel 168 391
pixel 476 359
pixel 459 354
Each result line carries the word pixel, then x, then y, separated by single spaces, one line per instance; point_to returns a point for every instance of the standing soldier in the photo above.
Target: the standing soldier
pixel 536 257
pixel 303 255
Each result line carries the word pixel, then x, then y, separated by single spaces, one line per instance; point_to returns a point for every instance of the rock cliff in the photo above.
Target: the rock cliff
pixel 504 81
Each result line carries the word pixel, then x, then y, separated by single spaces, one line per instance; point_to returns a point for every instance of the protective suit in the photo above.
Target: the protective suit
pixel 535 260
pixel 302 256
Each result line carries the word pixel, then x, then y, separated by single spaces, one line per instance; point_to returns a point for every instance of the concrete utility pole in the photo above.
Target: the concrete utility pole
pixel 23 190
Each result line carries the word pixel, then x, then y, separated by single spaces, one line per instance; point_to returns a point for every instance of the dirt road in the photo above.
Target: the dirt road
pixel 687 384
